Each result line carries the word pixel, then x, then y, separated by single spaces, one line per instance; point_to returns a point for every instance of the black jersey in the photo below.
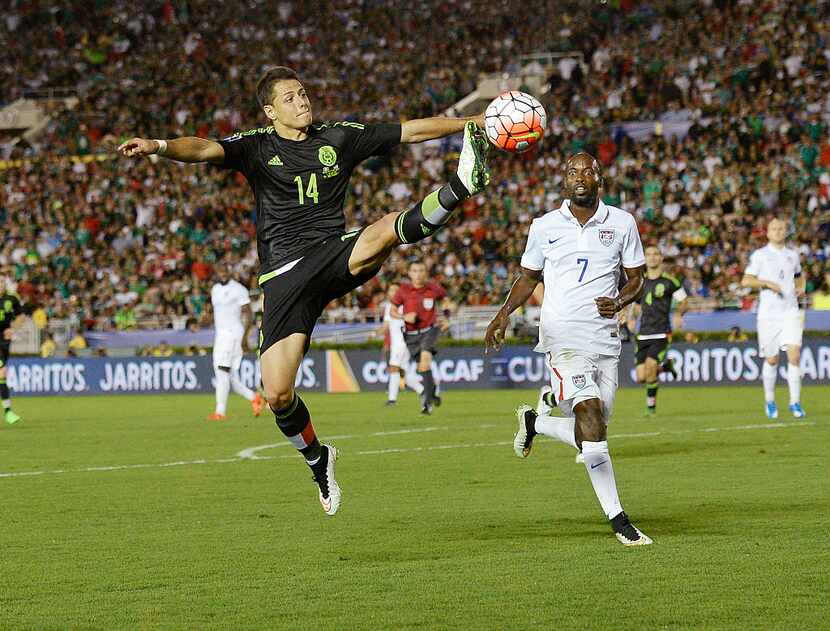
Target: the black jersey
pixel 300 186
pixel 10 308
pixel 656 303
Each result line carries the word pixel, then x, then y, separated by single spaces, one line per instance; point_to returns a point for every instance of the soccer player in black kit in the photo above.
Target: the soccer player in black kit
pixel 299 174
pixel 654 336
pixel 10 316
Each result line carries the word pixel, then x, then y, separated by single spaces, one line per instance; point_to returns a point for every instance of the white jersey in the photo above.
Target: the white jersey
pixel 396 326
pixel 581 263
pixel 780 266
pixel 228 300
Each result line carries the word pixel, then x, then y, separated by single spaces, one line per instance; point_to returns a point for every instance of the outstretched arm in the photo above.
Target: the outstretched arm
pixel 188 149
pixel 422 129
pixel 521 290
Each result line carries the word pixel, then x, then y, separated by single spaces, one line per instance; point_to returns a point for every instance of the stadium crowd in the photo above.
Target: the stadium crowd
pixel 113 244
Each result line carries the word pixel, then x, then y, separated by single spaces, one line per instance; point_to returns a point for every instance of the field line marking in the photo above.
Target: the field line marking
pixel 251 452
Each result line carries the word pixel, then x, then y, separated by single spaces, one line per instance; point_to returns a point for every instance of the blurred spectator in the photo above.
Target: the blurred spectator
pixel 78 342
pixel 162 350
pixel 48 346
pixel 734 104
pixel 736 334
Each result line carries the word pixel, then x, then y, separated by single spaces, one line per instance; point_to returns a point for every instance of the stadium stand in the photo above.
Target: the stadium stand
pixel 702 136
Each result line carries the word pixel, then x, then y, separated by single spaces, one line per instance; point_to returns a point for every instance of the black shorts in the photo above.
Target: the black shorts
pixel 422 340
pixel 4 353
pixel 295 299
pixel 656 349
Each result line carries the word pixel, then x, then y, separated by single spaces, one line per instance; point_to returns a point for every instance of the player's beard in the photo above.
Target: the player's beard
pixel 587 200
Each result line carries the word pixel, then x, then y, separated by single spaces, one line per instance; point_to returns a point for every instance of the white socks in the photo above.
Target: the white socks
pixel 794 382
pixel 240 388
pixel 223 388
pixel 769 374
pixel 558 428
pixel 413 382
pixel 7 404
pixel 394 385
pixel 598 466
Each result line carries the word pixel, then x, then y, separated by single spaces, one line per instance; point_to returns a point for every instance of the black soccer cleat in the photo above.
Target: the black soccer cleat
pixel 389 404
pixel 627 533
pixel 436 400
pixel 668 366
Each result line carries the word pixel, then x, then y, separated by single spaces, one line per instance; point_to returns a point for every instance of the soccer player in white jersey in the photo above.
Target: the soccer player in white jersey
pixel 229 299
pixel 399 357
pixel 579 250
pixel 776 271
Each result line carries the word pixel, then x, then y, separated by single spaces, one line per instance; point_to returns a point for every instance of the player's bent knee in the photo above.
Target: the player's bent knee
pixel 279 399
pixel 772 361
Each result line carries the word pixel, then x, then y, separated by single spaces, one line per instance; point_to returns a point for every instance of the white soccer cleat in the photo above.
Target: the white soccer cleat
pixel 329 491
pixel 472 162
pixel 627 533
pixel 523 440
pixel 580 458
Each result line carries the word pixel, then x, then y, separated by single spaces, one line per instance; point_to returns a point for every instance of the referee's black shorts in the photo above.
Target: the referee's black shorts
pixel 422 340
pixel 295 299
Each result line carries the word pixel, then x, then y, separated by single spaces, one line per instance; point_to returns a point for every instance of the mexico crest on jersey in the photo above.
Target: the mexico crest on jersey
pixel 428 303
pixel 327 155
pixel 579 381
pixel 606 237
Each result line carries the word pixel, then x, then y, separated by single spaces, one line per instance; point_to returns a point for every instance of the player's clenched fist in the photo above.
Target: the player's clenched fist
pixel 137 147
pixel 607 307
pixel 494 338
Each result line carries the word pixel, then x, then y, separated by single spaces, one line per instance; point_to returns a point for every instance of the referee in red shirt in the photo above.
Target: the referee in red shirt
pixel 418 301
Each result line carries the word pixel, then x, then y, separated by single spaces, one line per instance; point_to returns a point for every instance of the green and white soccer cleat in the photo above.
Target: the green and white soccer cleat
pixel 472 162
pixel 11 417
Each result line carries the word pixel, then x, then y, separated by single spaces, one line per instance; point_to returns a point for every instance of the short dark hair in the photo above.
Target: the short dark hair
pixel 266 82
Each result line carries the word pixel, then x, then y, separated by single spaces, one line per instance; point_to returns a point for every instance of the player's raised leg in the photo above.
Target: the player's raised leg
pixel 280 363
pixel 430 214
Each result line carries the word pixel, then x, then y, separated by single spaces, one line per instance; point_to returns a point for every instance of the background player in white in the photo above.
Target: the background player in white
pixel 776 271
pixel 399 358
pixel 230 298
pixel 579 250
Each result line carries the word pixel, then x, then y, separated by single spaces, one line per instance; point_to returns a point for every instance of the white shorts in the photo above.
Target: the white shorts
pixel 775 334
pixel 399 355
pixel 578 376
pixel 227 351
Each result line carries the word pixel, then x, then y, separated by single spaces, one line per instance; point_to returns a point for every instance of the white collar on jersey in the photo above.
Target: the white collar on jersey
pixel 600 216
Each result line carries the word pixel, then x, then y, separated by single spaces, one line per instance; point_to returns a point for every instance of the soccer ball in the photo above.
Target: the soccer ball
pixel 515 121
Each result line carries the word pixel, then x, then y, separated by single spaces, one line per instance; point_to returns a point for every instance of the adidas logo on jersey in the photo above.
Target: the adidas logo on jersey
pixel 275 162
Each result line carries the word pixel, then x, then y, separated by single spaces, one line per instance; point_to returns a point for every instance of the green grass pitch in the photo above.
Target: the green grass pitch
pixel 135 513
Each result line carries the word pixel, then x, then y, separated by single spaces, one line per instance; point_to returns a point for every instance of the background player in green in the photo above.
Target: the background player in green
pixel 11 315
pixel 299 173
pixel 654 336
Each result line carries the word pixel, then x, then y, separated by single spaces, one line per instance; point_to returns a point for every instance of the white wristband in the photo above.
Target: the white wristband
pixel 162 147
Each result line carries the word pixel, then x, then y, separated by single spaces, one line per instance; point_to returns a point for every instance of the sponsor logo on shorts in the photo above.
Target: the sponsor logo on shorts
pixel 606 237
pixel 579 381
